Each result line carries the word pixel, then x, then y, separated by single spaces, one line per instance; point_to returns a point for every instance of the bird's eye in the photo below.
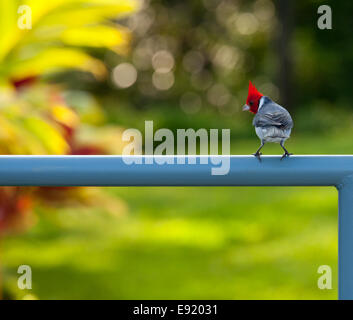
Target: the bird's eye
pixel 251 103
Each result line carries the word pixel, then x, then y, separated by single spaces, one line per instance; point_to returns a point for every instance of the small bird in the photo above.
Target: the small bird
pixel 272 122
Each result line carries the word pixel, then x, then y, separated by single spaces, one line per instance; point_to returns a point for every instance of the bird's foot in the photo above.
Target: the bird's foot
pixel 257 155
pixel 285 155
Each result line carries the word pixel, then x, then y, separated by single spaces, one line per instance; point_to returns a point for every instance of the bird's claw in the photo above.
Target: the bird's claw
pixel 285 155
pixel 257 155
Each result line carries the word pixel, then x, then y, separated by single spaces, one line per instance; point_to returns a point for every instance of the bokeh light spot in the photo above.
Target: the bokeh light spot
pixel 193 61
pixel 124 75
pixel 218 95
pixel 246 24
pixel 163 81
pixel 163 61
pixel 190 102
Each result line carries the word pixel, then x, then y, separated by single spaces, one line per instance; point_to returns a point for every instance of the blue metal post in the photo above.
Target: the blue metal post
pixel 345 239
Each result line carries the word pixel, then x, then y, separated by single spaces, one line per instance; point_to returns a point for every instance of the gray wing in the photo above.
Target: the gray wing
pixel 273 115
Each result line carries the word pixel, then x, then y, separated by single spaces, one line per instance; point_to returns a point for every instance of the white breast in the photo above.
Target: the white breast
pixel 272 134
pixel 261 103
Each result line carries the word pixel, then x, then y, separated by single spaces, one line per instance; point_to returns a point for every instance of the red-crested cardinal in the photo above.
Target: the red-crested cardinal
pixel 272 122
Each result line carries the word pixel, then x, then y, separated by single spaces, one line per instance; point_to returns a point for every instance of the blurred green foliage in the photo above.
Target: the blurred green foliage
pixel 59 33
pixel 39 117
pixel 323 58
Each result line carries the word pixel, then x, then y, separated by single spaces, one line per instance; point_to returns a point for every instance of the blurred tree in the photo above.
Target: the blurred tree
pixel 323 58
pixel 285 14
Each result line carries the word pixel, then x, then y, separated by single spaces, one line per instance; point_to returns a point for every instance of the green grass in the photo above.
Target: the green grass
pixel 188 243
pixel 185 243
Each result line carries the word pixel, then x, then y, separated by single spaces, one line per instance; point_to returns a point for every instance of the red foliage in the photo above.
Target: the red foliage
pixel 15 205
pixel 23 82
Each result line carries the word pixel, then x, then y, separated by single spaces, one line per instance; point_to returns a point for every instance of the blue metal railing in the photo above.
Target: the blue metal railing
pixel 244 171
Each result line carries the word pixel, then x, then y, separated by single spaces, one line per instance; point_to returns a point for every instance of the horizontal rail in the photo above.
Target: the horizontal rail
pixel 113 171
